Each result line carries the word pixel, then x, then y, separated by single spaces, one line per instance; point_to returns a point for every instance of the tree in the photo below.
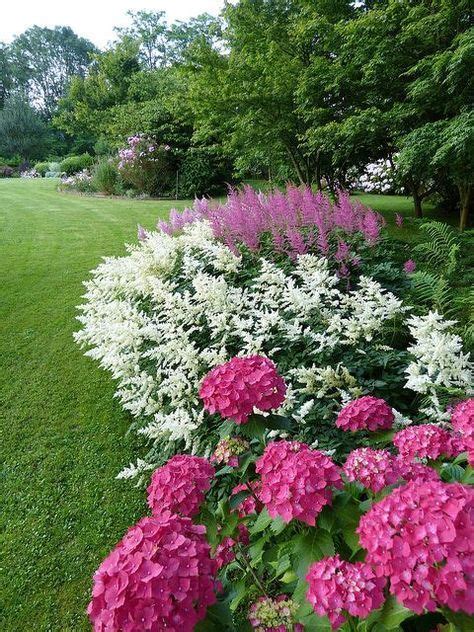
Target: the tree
pixel 149 29
pixel 22 131
pixel 6 74
pixel 44 60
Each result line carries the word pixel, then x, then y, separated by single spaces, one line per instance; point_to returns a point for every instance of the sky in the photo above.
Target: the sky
pixel 94 19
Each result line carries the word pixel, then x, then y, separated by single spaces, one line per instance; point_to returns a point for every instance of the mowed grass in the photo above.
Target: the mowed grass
pixel 62 433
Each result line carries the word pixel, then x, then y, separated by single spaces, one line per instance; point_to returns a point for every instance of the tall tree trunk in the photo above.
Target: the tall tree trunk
pixel 417 203
pixel 466 197
pixel 296 165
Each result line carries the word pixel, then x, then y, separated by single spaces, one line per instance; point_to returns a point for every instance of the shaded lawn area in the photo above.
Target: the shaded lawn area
pixel 62 433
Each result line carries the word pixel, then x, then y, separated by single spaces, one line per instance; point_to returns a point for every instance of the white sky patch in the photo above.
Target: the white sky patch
pixel 93 19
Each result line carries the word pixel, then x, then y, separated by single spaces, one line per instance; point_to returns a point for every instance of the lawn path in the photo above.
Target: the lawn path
pixel 62 433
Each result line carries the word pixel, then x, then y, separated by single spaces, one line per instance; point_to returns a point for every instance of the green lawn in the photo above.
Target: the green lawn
pixel 63 434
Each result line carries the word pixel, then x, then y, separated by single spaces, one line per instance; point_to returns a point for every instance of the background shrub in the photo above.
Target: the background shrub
pixel 74 164
pixel 6 171
pixel 54 170
pixel 204 171
pixel 42 168
pixel 106 178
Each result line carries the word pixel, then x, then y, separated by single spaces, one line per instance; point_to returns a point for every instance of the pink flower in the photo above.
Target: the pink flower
pixel 374 469
pixel 417 536
pixel 409 266
pixel 142 233
pixel 225 551
pixel 399 220
pixel 276 614
pixel 252 503
pixel 462 420
pixel 425 441
pixel 296 481
pixel 159 576
pixel 366 413
pixel 228 451
pixel 335 586
pixel 412 470
pixel 180 485
pixel 235 388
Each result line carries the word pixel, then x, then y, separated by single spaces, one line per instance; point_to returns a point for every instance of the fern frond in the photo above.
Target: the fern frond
pixel 442 248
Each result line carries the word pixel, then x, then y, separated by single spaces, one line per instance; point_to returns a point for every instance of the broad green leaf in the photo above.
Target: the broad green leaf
pixel 391 615
pixel 236 499
pixel 263 522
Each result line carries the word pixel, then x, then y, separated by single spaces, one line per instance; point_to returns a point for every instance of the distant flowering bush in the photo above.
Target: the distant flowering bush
pixel 147 166
pixel 376 177
pixel 80 182
pixel 235 388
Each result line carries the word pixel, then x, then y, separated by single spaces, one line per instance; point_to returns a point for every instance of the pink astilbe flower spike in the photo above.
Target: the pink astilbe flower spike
pixel 366 413
pixel 409 266
pixel 425 441
pixel 235 388
pixel 421 537
pixel 296 481
pixel 160 576
pixel 336 587
pixel 180 485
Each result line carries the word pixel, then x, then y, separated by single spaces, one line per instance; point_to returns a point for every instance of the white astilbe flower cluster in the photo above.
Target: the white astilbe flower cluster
pixel 161 317
pixel 439 361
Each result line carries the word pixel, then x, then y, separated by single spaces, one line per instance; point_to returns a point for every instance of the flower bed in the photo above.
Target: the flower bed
pixel 313 406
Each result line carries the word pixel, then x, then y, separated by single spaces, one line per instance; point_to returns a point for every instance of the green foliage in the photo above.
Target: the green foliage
pixel 74 164
pixel 106 178
pixel 204 171
pixel 22 131
pixel 42 168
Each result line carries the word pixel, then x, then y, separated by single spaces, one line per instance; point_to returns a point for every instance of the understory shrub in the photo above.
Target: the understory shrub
pixel 6 171
pixel 105 177
pixel 204 171
pixel 147 166
pixel 80 182
pixel 73 164
pixel 330 442
pixel 42 168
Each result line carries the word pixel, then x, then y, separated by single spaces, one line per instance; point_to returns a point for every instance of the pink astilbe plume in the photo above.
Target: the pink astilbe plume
pixel 421 537
pixel 297 221
pixel 336 587
pixel 160 576
pixel 297 482
pixel 235 388
pixel 180 485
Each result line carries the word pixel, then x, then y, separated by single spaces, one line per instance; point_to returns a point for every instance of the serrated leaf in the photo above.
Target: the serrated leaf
pixel 461 620
pixel 391 615
pixel 263 522
pixel 236 499
pixel 277 525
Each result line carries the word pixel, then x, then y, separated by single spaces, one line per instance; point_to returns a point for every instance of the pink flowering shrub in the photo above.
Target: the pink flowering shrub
pixel 417 536
pixel 225 550
pixel 425 441
pixel 160 576
pixel 336 587
pixel 365 413
pixel 297 221
pixel 146 165
pixel 277 614
pixel 235 388
pixel 374 469
pixel 296 482
pixel 180 485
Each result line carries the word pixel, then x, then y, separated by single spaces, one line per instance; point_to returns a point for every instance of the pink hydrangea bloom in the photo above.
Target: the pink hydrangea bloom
pixel 235 388
pixel 180 485
pixel 409 266
pixel 412 470
pixel 296 481
pixel 462 420
pixel 366 413
pixel 276 614
pixel 251 504
pixel 160 576
pixel 417 531
pixel 374 469
pixel 335 586
pixel 425 441
pixel 228 451
pixel 225 551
